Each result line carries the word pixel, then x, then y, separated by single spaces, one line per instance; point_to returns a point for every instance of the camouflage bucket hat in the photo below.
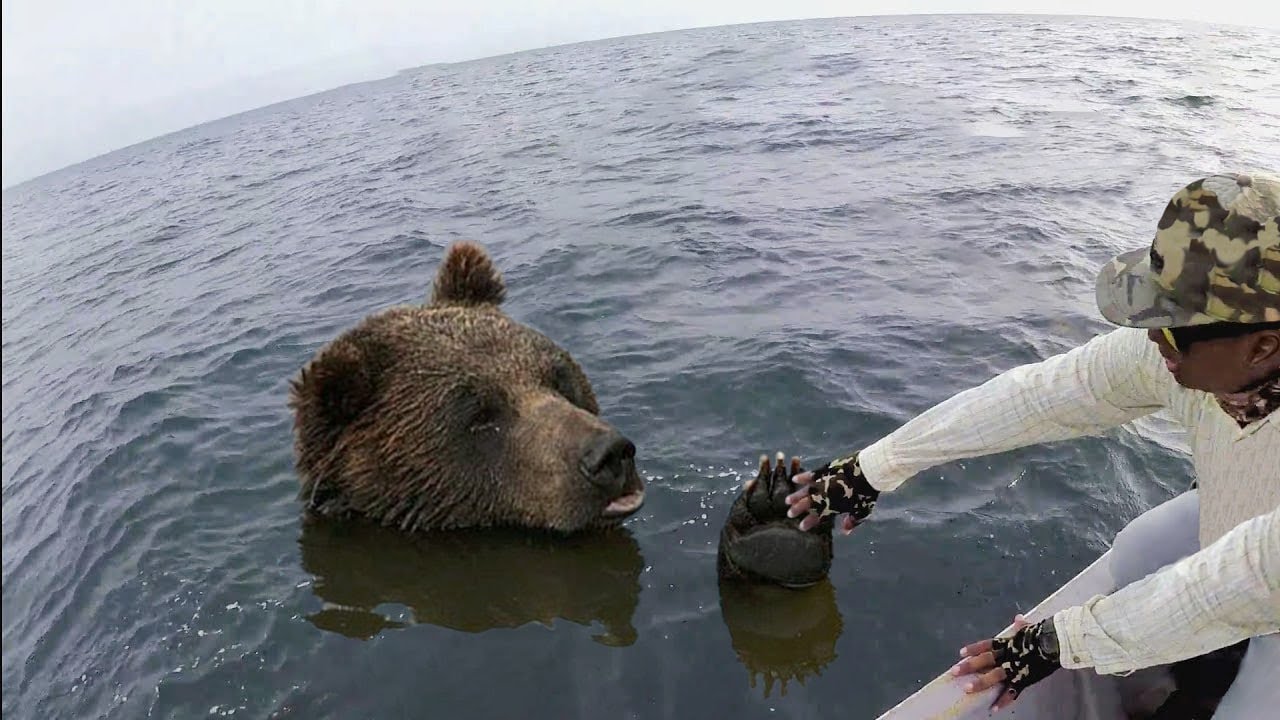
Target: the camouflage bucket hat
pixel 1215 258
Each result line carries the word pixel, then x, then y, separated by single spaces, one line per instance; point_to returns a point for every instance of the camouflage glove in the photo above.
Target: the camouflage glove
pixel 840 487
pixel 1029 656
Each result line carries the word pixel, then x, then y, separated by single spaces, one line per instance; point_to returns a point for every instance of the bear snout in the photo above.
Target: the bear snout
pixel 606 457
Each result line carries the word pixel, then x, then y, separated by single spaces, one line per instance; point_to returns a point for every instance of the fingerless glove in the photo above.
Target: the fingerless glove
pixel 840 487
pixel 1029 656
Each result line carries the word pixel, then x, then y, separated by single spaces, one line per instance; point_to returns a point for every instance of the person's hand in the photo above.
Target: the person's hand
pixel 1018 662
pixel 837 488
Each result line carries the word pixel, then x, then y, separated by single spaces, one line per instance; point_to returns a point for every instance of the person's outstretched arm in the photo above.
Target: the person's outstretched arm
pixel 1108 381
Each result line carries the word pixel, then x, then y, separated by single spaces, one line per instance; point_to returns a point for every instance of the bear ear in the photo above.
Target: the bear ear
pixel 330 392
pixel 468 277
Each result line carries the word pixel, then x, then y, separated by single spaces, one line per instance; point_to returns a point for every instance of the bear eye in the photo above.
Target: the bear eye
pixel 562 381
pixel 485 415
pixel 474 408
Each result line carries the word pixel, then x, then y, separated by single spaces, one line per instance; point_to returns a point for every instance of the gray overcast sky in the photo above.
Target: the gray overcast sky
pixel 84 77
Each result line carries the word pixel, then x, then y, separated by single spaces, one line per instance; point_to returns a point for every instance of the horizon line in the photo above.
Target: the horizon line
pixel 521 51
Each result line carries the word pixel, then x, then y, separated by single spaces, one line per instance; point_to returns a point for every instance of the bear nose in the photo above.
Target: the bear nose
pixel 605 458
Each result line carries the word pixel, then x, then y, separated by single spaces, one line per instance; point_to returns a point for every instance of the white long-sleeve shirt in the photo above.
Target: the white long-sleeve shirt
pixel 1224 593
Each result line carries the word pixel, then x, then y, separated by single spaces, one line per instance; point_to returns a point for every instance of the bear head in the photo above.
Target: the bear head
pixel 452 415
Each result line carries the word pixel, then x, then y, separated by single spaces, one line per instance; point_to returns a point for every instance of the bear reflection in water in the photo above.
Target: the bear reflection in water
pixel 781 634
pixel 471 581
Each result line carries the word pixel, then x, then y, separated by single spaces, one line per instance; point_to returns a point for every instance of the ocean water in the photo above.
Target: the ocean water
pixel 788 236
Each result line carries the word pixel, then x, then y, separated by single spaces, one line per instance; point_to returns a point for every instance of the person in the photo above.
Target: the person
pixel 1199 336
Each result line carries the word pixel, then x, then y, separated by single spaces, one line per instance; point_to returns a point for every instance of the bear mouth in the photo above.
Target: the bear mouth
pixel 631 500
pixel 625 505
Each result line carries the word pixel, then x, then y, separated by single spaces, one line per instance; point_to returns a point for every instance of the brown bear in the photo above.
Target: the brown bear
pixel 451 414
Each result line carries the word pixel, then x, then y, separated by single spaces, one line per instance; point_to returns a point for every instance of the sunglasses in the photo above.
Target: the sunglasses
pixel 1181 338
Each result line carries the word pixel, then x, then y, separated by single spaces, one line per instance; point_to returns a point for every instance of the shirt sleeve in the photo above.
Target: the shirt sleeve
pixel 1221 595
pixel 1108 381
